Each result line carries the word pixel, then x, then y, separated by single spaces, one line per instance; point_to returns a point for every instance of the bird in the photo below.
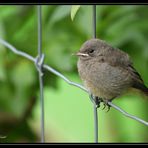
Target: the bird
pixel 106 71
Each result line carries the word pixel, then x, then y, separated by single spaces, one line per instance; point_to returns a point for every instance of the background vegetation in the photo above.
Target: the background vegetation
pixel 68 111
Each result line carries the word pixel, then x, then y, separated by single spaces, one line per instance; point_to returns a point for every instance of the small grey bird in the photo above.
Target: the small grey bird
pixel 107 72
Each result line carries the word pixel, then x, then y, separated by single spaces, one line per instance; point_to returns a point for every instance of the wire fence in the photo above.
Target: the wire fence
pixel 95 100
pixel 39 63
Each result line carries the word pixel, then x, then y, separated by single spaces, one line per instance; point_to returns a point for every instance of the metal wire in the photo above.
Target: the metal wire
pixel 95 106
pixel 39 65
pixel 127 115
pixel 46 67
pixel 94 21
pixel 39 30
pixel 95 123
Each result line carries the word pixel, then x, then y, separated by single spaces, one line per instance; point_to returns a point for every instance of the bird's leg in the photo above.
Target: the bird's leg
pixel 105 103
pixel 95 100
pixel 98 101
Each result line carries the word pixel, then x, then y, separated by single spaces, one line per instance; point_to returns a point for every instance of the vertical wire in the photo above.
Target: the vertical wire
pixel 95 106
pixel 94 21
pixel 95 123
pixel 39 31
pixel 40 75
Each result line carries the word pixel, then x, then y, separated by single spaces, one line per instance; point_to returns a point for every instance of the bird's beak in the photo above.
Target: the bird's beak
pixel 81 54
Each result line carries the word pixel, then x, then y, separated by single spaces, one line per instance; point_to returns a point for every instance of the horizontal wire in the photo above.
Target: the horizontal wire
pixel 23 54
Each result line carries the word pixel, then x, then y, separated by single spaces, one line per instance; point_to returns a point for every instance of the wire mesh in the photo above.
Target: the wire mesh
pixel 95 105
pixel 40 66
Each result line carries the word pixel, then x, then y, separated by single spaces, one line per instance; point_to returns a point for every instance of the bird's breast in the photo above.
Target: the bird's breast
pixel 103 80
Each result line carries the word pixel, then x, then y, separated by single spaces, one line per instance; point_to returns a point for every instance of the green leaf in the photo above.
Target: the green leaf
pixel 74 10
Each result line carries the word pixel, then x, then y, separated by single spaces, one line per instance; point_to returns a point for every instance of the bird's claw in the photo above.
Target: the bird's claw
pixel 104 105
pixel 105 101
pixel 96 100
pixel 108 108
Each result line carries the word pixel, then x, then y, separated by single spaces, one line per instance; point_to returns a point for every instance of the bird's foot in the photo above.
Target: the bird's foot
pixel 105 103
pixel 95 100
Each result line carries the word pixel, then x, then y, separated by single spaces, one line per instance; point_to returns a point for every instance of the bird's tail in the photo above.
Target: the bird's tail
pixel 141 87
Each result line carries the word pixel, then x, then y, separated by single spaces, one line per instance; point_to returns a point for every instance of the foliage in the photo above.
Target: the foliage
pixel 67 109
pixel 74 10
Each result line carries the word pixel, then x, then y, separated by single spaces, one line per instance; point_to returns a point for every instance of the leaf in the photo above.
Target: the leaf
pixel 74 10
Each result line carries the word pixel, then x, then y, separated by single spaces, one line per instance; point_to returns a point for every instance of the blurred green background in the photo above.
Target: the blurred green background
pixel 68 110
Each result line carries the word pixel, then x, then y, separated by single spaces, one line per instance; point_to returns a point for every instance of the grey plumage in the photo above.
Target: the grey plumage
pixel 107 72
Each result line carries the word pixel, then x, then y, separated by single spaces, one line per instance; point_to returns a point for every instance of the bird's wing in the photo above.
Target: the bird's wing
pixel 134 74
pixel 137 80
pixel 121 59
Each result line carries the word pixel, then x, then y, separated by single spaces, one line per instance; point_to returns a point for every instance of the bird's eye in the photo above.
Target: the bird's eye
pixel 91 51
